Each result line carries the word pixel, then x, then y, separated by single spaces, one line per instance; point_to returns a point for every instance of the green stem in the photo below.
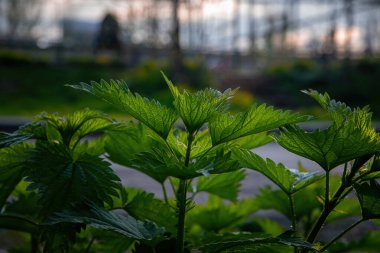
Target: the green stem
pixel 181 205
pixel 293 213
pixel 182 199
pixel 90 245
pixel 165 193
pixel 327 193
pixel 344 173
pixel 341 234
pixel 329 206
pixel 294 217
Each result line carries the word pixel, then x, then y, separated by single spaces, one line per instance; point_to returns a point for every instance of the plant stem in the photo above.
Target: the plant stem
pixel 292 210
pixel 294 217
pixel 182 199
pixel 165 193
pixel 341 234
pixel 344 174
pixel 181 205
pixel 329 206
pixel 327 193
pixel 90 244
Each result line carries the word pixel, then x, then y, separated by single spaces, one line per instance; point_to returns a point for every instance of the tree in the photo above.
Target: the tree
pixel 21 17
pixel 108 36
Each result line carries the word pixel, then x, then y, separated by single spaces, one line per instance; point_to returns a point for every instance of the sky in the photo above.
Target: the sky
pixel 217 15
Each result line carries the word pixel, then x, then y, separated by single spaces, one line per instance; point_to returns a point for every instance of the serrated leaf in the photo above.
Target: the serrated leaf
pixel 259 118
pixel 350 136
pixel 369 199
pixel 7 139
pixel 13 162
pixel 290 181
pixel 337 110
pixel 100 218
pixel 226 186
pixel 126 144
pixel 245 241
pixel 195 109
pixel 329 148
pixel 144 206
pixel 62 179
pixel 253 141
pixel 69 129
pixel 150 112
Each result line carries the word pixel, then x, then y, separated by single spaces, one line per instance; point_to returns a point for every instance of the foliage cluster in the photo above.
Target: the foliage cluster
pixel 58 186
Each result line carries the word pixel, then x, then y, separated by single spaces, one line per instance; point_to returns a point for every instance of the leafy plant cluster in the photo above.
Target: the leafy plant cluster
pixel 58 186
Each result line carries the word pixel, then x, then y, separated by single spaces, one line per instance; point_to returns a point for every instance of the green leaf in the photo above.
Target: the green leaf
pixel 125 145
pixel 337 110
pixel 150 112
pixel 144 206
pixel 290 181
pixel 349 207
pixel 263 225
pixel 305 201
pixel 70 129
pixel 216 215
pixel 195 109
pixel 368 195
pixel 13 162
pixel 18 223
pixel 245 241
pixel 112 242
pixel 7 139
pixel 253 141
pixel 215 219
pixel 330 147
pixel 350 136
pixel 62 179
pixel 226 127
pixel 226 186
pixel 100 218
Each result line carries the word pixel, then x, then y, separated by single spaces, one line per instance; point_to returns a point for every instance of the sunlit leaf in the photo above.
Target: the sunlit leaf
pixel 150 112
pixel 290 181
pixel 253 141
pixel 350 136
pixel 259 118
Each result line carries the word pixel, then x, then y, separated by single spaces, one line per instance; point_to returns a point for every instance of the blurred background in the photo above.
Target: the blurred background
pixel 271 49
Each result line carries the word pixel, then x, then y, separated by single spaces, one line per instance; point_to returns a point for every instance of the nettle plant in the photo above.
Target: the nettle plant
pixel 57 184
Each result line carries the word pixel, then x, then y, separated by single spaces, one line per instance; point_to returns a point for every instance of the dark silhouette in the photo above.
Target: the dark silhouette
pixel 108 36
